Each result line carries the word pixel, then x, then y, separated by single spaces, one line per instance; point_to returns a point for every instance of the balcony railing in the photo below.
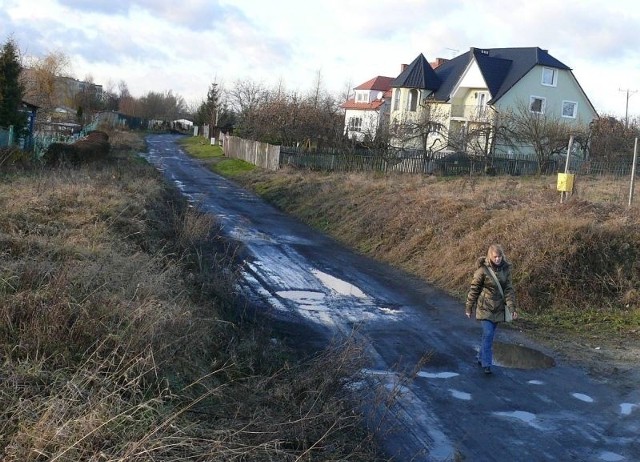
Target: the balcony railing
pixel 471 112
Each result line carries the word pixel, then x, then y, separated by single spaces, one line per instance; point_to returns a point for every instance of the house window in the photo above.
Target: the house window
pixel 355 124
pixel 362 97
pixel 413 100
pixel 536 104
pixel 569 109
pixel 396 99
pixel 549 76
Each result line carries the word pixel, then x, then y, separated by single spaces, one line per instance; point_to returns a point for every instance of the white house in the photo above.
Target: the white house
pixel 367 113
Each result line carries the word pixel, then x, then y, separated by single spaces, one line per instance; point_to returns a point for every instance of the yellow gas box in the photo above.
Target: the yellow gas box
pixel 565 182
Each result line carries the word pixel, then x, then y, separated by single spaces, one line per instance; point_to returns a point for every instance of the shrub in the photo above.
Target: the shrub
pixel 93 147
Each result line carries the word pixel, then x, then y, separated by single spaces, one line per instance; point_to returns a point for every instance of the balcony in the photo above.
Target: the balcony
pixel 471 113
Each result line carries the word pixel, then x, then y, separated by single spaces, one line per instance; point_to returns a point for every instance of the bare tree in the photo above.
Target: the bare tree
pixel 127 104
pixel 41 77
pixel 162 106
pixel 544 135
pixel 611 140
pixel 425 129
pixel 110 97
pixel 246 95
pixel 278 116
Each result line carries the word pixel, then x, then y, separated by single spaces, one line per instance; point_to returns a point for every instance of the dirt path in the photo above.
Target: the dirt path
pixel 448 410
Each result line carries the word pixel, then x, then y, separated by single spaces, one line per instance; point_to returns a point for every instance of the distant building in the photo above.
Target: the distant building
pixel 367 113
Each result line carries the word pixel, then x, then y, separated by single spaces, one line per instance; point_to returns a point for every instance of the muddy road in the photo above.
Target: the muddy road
pixel 532 408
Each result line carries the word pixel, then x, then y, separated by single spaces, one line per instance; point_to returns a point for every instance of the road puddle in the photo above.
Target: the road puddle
pixel 520 357
pixel 338 285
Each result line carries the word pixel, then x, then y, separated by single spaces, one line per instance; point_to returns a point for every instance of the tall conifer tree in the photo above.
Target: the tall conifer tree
pixel 11 89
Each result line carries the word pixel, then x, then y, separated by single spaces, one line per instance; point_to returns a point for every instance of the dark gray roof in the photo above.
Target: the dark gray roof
pixel 418 74
pixel 501 68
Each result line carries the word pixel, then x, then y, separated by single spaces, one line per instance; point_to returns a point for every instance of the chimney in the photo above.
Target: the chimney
pixel 403 67
pixel 438 62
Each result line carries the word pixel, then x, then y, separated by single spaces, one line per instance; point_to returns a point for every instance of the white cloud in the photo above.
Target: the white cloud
pixel 159 45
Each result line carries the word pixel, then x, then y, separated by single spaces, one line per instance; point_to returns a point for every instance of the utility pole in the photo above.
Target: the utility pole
pixel 626 111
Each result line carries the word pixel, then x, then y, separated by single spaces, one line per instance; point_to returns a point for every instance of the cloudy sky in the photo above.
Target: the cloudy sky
pixel 185 45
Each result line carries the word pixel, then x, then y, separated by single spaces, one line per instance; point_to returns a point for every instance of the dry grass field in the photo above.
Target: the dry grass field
pixel 120 338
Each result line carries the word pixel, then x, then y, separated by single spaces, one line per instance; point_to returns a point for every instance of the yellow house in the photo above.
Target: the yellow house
pixel 453 105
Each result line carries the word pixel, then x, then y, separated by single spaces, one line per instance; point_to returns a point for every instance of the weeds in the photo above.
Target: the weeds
pixel 121 339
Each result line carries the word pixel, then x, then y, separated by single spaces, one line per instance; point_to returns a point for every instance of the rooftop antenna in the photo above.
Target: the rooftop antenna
pixel 453 51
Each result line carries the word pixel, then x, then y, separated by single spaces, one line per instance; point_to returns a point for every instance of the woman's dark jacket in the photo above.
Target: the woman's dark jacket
pixel 484 294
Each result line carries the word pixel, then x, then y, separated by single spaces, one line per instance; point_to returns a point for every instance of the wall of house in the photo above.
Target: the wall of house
pixel 370 123
pixel 441 112
pixel 403 112
pixel 567 89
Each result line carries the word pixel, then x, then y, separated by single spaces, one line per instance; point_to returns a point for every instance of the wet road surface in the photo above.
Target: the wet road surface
pixel 532 408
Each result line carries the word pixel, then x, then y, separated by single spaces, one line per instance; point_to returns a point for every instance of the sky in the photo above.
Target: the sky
pixel 185 46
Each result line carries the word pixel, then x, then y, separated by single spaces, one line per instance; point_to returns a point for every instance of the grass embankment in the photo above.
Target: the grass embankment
pixel 120 340
pixel 213 155
pixel 576 264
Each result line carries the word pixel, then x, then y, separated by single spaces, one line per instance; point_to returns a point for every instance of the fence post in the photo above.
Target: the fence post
pixel 633 170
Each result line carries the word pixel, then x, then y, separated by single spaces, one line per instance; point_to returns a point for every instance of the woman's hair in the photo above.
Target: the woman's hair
pixel 495 248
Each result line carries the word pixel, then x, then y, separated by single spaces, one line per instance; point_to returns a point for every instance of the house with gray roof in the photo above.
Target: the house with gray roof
pixel 468 93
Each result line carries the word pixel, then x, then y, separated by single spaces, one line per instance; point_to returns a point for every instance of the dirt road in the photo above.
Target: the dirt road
pixel 533 408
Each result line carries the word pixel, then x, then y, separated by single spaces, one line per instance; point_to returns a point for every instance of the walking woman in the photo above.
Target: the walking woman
pixel 493 297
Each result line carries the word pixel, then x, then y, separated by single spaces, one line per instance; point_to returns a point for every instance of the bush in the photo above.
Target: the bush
pixel 92 147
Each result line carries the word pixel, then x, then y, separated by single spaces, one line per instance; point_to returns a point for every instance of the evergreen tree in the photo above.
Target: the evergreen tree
pixel 210 107
pixel 11 89
pixel 215 112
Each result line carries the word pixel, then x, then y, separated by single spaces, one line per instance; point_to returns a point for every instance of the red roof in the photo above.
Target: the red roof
pixel 377 83
pixel 351 104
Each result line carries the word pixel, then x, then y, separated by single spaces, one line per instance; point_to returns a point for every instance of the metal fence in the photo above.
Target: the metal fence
pixel 447 164
pixel 41 140
pixel 444 163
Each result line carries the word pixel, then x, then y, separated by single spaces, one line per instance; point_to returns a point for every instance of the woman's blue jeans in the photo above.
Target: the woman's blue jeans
pixel 486 346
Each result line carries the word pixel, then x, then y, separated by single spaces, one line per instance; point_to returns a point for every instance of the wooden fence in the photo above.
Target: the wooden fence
pixel 261 154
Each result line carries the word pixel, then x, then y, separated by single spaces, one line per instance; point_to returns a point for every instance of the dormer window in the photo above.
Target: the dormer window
pixel 362 97
pixel 549 76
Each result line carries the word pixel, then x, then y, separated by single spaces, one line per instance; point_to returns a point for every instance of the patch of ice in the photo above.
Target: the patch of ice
pixel 582 397
pixel 338 285
pixel 610 456
pixel 526 417
pixel 437 375
pixel 460 394
pixel 626 408
pixel 387 310
pixel 302 297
